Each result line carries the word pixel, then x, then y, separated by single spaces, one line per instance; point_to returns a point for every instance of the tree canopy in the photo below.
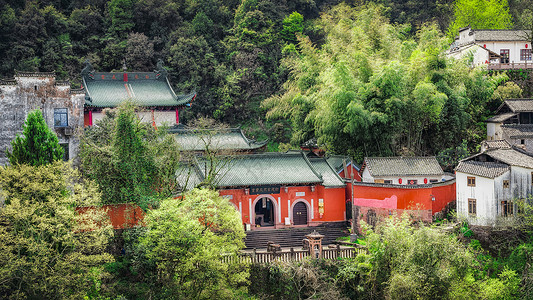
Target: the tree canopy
pixel 47 249
pixel 480 14
pixel 371 89
pixel 131 161
pixel 186 238
pixel 38 144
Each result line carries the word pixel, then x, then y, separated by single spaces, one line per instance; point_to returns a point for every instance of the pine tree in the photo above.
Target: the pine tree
pixel 37 146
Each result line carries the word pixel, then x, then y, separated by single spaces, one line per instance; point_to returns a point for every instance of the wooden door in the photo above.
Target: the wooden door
pixel 299 214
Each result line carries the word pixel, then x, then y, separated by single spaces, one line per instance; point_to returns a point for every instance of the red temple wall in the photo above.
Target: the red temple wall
pixel 120 215
pixel 333 199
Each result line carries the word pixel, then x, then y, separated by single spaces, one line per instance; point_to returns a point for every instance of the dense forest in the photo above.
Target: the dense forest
pixel 364 78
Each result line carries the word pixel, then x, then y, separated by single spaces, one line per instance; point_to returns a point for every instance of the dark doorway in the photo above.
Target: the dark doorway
pixel 264 212
pixel 299 213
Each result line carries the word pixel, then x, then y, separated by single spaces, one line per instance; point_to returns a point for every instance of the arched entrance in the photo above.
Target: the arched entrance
pixel 299 213
pixel 264 212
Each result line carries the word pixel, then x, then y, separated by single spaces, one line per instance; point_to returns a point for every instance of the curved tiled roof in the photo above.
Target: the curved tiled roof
pixel 266 169
pixel 330 177
pixel 402 166
pixel 484 169
pixel 225 139
pixel 110 89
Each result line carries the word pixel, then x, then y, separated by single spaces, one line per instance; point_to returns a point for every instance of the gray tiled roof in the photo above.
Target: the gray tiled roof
pixel 500 35
pixel 401 166
pixel 496 144
pixel 517 131
pixel 330 176
pixel 226 139
pixel 501 118
pixel 484 169
pixel 511 157
pixel 519 105
pixel 267 169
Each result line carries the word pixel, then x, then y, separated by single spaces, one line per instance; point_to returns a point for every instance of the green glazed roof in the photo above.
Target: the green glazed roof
pixel 329 176
pixel 266 169
pixel 227 139
pixel 143 88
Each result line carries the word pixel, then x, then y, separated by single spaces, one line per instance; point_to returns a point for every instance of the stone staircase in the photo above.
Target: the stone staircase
pixel 292 237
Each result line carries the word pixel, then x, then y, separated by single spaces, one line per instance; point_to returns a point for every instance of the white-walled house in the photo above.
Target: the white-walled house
pixel 513 123
pixel 500 49
pixel 488 184
pixel 402 170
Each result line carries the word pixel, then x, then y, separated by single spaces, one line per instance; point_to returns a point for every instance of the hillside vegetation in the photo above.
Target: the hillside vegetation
pixel 357 76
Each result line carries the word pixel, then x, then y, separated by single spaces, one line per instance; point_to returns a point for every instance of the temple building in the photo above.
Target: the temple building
pixel 277 190
pixel 149 90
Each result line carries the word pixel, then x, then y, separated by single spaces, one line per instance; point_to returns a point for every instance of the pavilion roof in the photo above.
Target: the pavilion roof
pixel 217 139
pixel 266 169
pixel 146 89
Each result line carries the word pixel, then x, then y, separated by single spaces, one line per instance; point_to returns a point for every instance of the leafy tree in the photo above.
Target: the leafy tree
pixel 425 262
pixel 47 249
pixel 121 17
pixel 139 53
pixel 130 160
pixel 408 101
pixel 480 14
pixel 37 146
pixel 186 239
pixel 292 24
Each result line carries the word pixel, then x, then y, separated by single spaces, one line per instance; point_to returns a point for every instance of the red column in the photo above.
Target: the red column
pixel 90 118
pixel 177 115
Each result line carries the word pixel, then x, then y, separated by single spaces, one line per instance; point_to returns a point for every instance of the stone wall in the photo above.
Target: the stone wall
pixel 30 91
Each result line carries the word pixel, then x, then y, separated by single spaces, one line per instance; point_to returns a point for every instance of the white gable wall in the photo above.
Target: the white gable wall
pixel 514 49
pixel 494 131
pixel 521 182
pixel 484 194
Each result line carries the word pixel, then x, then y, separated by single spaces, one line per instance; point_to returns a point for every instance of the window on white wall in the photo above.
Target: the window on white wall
pixel 525 54
pixel 507 208
pixel 472 206
pixel 504 53
pixel 506 184
pixel 471 181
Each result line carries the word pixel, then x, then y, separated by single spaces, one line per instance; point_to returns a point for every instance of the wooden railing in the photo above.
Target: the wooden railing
pixel 510 66
pixel 293 255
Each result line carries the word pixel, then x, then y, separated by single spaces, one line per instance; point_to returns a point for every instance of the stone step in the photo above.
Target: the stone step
pixel 293 237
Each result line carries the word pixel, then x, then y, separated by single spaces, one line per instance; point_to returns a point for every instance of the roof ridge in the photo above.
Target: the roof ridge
pixel 311 166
